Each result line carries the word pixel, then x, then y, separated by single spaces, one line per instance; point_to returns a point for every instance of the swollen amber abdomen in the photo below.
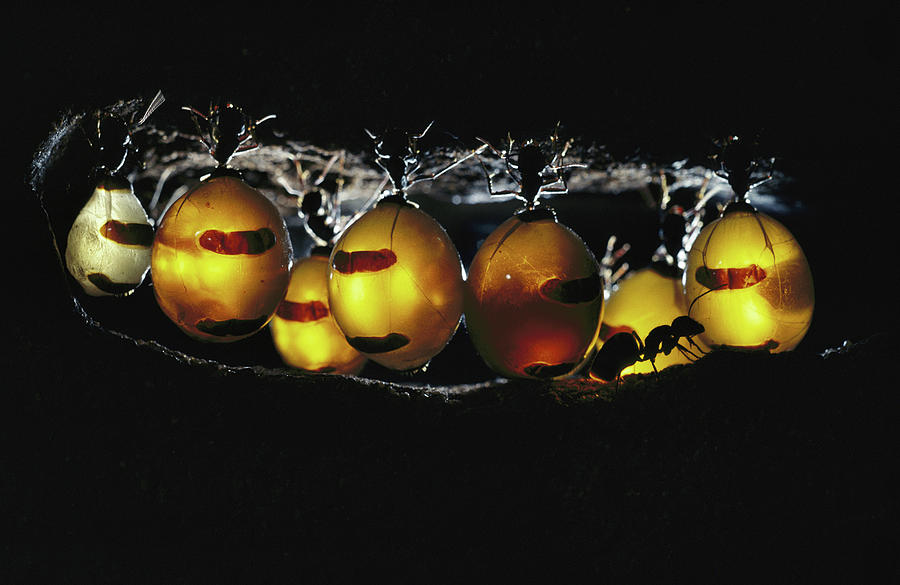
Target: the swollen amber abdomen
pixel 221 260
pixel 534 299
pixel 747 281
pixel 396 284
pixel 303 329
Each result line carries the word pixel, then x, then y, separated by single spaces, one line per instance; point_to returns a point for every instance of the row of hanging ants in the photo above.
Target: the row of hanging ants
pixel 227 130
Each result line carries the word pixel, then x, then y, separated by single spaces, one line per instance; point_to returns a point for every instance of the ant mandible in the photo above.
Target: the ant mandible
pixel 626 348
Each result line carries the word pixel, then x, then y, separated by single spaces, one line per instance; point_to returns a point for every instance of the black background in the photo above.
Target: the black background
pixel 122 466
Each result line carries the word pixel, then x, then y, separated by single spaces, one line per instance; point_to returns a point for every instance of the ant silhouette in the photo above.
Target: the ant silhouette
pixel 226 130
pixel 680 220
pixel 626 348
pixel 739 163
pixel 528 167
pixel 113 139
pixel 317 206
pixel 398 154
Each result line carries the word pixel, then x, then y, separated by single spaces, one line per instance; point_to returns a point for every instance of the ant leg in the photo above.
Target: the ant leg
pixel 694 345
pixel 196 116
pixel 195 112
pixel 424 132
pixel 610 258
pixel 496 152
pixel 687 353
pixel 490 182
pixel 327 169
pixel 454 164
pixel 247 143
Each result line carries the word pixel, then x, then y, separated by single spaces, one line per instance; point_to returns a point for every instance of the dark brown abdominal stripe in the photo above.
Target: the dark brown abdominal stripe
pixel 383 344
pixel 540 370
pixel 363 260
pixel 231 326
pixel 103 282
pixel 768 345
pixel 128 234
pixel 572 292
pixel 238 242
pixel 302 312
pixel 730 278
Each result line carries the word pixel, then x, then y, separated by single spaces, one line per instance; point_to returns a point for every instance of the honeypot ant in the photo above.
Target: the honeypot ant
pixel 228 130
pixel 626 348
pixel 739 162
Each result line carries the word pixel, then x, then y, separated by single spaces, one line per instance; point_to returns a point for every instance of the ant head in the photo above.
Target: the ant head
pixel 317 215
pixel 739 161
pixel 684 326
pixel 229 126
pixel 312 203
pixel 397 152
pixel 395 143
pixel 226 122
pixel 737 155
pixel 531 160
pixel 228 130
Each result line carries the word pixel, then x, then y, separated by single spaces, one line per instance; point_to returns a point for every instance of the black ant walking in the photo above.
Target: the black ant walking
pixel 626 348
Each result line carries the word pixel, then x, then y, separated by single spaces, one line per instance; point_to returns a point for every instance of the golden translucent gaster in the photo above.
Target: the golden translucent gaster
pixel 533 299
pixel 396 284
pixel 747 281
pixel 646 299
pixel 303 329
pixel 221 260
pixel 108 247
